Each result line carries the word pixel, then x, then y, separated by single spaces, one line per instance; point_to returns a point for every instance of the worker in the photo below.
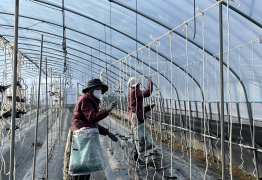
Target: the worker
pixel 135 106
pixel 87 114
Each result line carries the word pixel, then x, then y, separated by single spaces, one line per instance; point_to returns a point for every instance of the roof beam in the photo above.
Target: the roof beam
pixel 99 22
pixel 243 14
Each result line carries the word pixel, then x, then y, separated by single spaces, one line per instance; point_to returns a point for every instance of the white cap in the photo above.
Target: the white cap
pixel 132 82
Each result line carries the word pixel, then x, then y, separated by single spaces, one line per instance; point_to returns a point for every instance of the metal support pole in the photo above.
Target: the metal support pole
pixel 59 108
pixel 52 118
pixel 37 110
pixel 210 111
pixel 222 125
pixel 14 80
pixel 175 106
pixel 64 36
pixel 196 109
pixel 238 113
pixel 167 107
pixel 184 102
pixel 4 67
pixel 190 109
pixel 46 108
pixel 228 119
pixel 218 112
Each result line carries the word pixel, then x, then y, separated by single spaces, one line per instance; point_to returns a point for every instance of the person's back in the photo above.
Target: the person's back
pixel 137 113
pixel 135 101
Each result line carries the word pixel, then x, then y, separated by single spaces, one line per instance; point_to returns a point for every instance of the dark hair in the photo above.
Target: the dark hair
pixel 90 90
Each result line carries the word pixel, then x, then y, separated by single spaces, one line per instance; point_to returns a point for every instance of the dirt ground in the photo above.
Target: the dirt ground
pixel 198 154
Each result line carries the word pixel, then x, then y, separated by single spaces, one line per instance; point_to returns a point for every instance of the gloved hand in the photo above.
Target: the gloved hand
pixel 112 136
pixel 152 106
pixel 111 106
pixel 149 78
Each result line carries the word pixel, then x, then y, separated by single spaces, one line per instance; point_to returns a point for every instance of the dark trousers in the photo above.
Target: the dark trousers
pixel 83 177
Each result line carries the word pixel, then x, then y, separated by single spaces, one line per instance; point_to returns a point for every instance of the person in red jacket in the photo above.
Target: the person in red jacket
pixel 87 113
pixel 135 104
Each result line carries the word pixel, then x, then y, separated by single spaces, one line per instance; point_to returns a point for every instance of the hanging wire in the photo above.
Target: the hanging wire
pixel 229 95
pixel 158 102
pixel 254 127
pixel 241 166
pixel 149 44
pixel 204 99
pixel 143 111
pixel 188 101
pixel 171 107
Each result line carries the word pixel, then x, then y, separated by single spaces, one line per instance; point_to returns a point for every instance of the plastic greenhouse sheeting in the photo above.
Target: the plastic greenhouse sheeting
pixel 100 32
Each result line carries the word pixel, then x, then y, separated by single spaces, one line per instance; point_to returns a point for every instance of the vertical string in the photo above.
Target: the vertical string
pixel 150 98
pixel 241 119
pixel 121 110
pixel 142 77
pixel 130 75
pixel 159 104
pixel 135 58
pixel 171 109
pixel 217 135
pixel 254 127
pixel 180 113
pixel 194 144
pixel 229 94
pixel 188 99
pixel 204 100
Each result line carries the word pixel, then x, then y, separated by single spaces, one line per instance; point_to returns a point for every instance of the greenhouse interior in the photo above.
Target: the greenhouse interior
pixel 131 89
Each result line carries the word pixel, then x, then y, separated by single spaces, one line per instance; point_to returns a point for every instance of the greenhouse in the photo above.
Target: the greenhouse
pixel 131 89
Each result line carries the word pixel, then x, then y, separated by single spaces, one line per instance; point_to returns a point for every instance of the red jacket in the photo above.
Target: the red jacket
pixel 87 114
pixel 135 102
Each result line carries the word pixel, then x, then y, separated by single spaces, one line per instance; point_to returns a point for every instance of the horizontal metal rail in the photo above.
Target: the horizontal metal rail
pixel 204 135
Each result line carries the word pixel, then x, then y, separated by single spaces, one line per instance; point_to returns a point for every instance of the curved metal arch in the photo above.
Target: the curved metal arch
pixel 73 59
pixel 208 52
pixel 53 57
pixel 243 86
pixel 192 42
pixel 244 89
pixel 27 75
pixel 99 51
pixel 56 67
pixel 105 54
pixel 76 78
pixel 121 51
pixel 243 14
pixel 80 14
pixel 78 61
